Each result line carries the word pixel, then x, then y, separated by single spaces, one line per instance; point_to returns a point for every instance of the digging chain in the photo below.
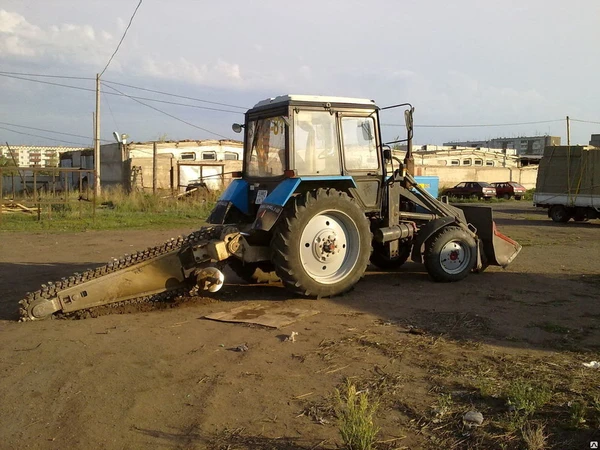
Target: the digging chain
pixel 50 290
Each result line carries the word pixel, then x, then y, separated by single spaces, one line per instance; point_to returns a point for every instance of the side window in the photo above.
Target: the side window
pixel 231 156
pixel 360 152
pixel 188 156
pixel 454 162
pixel 461 185
pixel 466 162
pixel 209 156
pixel 489 163
pixel 316 143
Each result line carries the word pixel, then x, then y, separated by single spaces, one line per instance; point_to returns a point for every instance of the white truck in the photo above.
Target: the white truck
pixel 568 183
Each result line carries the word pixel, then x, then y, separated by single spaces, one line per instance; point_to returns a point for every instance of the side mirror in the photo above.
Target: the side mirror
pixel 387 154
pixel 366 131
pixel 236 127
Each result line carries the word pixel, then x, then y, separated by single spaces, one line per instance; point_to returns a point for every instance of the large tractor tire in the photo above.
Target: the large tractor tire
pixel 380 257
pixel 253 273
pixel 559 213
pixel 450 254
pixel 322 243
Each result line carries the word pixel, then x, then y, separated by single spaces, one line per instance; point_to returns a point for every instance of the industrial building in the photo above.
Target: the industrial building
pixel 523 145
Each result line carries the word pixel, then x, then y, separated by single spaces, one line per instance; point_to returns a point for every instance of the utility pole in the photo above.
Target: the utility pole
pixel 568 158
pixel 154 153
pixel 97 188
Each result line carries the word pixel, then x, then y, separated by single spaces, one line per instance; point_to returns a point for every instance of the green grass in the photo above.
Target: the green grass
pixel 355 418
pixel 527 398
pixel 114 210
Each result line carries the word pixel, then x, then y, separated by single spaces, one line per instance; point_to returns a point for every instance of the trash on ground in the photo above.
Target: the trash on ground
pixel 291 337
pixel 472 419
pixel 592 364
pixel 241 348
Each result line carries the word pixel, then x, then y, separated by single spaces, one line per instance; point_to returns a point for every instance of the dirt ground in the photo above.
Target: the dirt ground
pixel 168 378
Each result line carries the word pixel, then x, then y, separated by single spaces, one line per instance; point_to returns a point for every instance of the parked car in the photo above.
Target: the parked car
pixel 509 189
pixel 471 189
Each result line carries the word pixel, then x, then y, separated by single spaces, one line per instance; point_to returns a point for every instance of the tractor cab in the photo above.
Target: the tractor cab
pixel 294 143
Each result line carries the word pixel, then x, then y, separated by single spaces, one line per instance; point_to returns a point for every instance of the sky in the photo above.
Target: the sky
pixel 458 63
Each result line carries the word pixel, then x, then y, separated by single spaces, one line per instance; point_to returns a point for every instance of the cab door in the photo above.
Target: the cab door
pixel 361 160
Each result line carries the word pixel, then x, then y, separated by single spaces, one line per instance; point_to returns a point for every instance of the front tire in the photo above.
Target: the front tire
pixel 450 254
pixel 322 243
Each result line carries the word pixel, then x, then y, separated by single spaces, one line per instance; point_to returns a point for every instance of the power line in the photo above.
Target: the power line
pixel 585 121
pixel 46 76
pixel 474 126
pixel 120 94
pixel 45 137
pixel 171 103
pixel 167 114
pixel 48 82
pixel 123 37
pixel 174 95
pixel 49 131
pixel 8 74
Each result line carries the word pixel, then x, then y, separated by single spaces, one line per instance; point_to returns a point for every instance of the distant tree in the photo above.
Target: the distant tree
pixel 162 137
pixel 52 161
pixel 6 164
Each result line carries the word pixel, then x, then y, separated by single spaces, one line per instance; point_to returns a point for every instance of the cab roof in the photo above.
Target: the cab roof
pixel 315 99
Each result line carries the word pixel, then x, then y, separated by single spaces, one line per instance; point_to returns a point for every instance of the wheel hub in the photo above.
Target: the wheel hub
pixel 454 257
pixel 323 247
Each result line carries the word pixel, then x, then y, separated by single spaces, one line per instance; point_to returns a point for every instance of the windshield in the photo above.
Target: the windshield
pixel 315 143
pixel 265 147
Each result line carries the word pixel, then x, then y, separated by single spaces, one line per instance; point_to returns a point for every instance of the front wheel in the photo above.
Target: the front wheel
pixel 322 243
pixel 450 254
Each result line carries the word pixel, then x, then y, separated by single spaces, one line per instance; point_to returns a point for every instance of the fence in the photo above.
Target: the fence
pixel 34 190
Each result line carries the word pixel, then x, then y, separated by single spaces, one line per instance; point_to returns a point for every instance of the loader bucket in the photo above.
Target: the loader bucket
pixel 499 249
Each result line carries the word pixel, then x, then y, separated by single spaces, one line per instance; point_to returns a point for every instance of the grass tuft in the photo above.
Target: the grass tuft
pixel 577 411
pixel 534 436
pixel 527 398
pixel 355 418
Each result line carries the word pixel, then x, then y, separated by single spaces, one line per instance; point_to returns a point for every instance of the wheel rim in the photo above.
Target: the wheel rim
pixel 329 246
pixel 454 257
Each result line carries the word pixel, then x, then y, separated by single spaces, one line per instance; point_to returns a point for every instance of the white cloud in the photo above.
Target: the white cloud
pixel 65 43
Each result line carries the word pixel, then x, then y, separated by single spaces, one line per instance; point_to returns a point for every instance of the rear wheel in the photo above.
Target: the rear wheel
pixel 506 196
pixel 322 244
pixel 559 213
pixel 450 254
pixel 381 258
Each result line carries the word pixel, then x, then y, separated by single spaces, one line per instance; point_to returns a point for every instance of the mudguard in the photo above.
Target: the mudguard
pixel 272 206
pixel 236 195
pixel 425 233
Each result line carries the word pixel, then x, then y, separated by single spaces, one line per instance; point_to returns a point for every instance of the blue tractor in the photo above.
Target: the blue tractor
pixel 320 197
